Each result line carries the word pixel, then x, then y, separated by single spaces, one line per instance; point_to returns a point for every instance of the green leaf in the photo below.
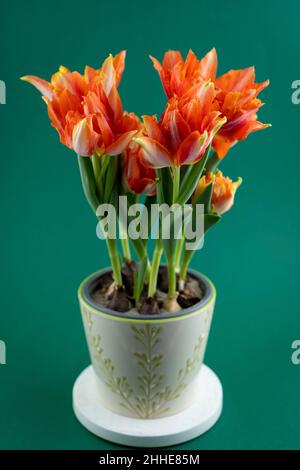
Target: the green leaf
pixel 191 179
pixel 96 163
pixel 205 198
pixel 210 220
pixel 88 182
pixel 113 199
pixel 139 247
pixel 110 177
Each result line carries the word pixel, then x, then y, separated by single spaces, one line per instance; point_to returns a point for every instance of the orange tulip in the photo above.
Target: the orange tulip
pixel 185 130
pixel 223 192
pixel 178 75
pixel 86 110
pixel 236 96
pixel 237 99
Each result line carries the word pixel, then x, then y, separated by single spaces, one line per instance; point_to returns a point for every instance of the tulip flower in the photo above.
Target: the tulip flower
pixel 223 192
pixel 237 99
pixel 185 130
pixel 236 93
pixel 86 110
pixel 178 75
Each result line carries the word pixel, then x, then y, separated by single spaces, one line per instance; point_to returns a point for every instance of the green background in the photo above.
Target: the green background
pixel 48 242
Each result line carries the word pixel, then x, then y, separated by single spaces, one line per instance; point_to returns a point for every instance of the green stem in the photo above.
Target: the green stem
pixel 178 252
pixel 188 254
pixel 172 280
pixel 125 243
pixel 176 182
pixel 112 247
pixel 88 182
pixel 96 163
pixel 126 249
pixel 172 261
pixel 158 250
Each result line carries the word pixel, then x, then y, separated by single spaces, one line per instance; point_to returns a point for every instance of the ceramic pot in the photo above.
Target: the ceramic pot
pixel 145 366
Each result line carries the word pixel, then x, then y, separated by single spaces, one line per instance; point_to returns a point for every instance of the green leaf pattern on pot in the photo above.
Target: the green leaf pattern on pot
pixel 151 400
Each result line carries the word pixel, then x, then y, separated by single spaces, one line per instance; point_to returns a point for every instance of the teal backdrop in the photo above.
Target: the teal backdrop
pixel 48 241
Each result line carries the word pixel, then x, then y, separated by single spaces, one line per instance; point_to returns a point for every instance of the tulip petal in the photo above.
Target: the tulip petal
pixel 104 128
pixel 156 64
pixel 221 145
pixel 192 148
pixel 171 58
pixel 153 130
pixel 260 86
pixel 115 103
pixel 179 129
pixel 117 147
pixel 155 155
pixel 40 84
pixel 191 63
pixel 119 65
pixel 90 73
pixel 208 65
pixel 84 138
pixel 236 80
pixel 71 120
pixel 108 75
pixel 169 70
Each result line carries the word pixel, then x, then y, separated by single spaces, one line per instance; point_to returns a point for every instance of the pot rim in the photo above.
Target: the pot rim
pixel 85 297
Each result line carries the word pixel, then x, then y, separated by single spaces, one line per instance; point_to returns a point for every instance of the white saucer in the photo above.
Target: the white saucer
pixel 159 432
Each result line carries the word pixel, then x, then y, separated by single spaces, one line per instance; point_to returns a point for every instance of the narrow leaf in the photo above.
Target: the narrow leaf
pixel 110 177
pixel 191 179
pixel 205 198
pixel 88 181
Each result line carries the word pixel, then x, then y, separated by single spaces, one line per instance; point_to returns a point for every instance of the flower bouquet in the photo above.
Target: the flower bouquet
pixel 147 317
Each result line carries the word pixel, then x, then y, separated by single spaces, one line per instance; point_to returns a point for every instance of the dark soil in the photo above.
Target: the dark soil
pixel 105 293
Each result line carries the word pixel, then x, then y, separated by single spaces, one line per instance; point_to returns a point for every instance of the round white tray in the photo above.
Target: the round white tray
pixel 159 432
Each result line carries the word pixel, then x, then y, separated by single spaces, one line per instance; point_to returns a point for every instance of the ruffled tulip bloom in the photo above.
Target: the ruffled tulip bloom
pixel 237 99
pixel 86 110
pixel 138 178
pixel 236 96
pixel 178 75
pixel 223 192
pixel 185 130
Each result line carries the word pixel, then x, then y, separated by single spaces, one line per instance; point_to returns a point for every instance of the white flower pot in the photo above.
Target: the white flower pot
pixel 146 366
